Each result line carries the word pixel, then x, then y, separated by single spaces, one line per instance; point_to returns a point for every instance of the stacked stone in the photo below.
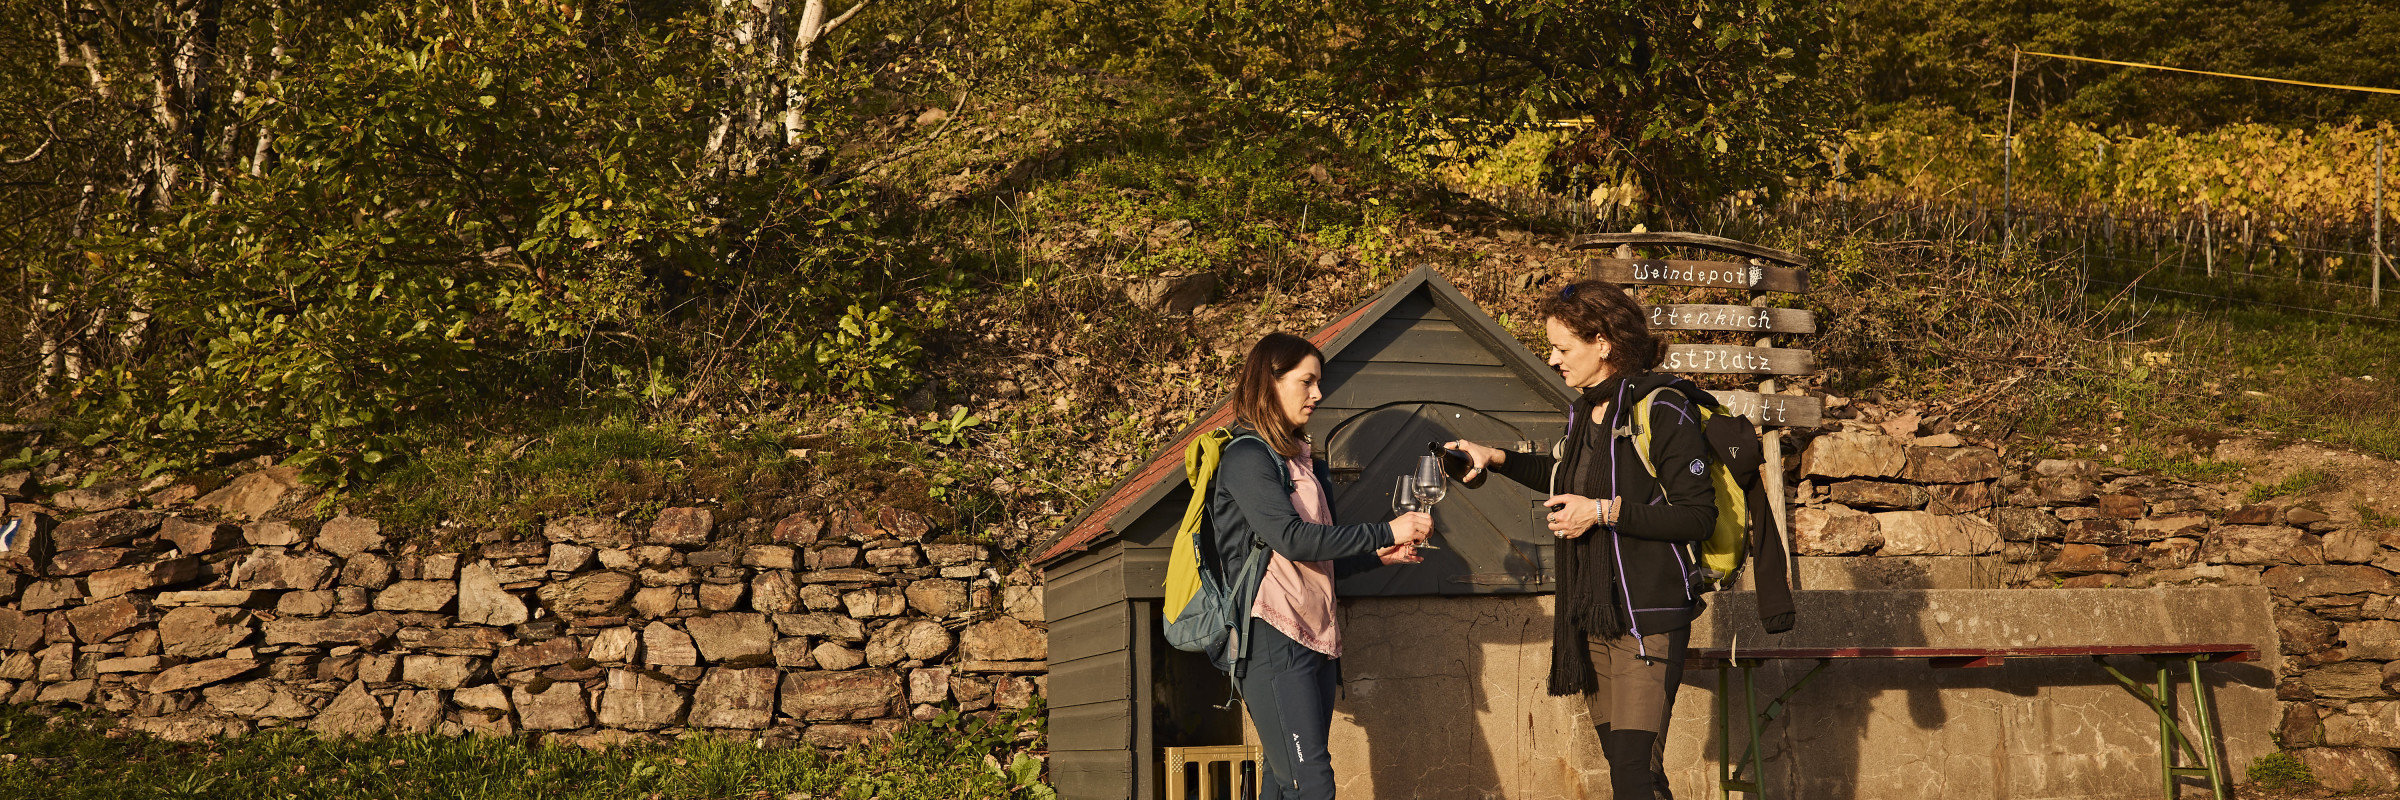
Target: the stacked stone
pixel 234 615
pixel 1897 489
pixel 1886 490
pixel 2072 524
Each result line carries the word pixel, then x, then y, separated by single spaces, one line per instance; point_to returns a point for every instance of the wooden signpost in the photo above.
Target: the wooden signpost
pixel 1731 318
pixel 1757 270
pixel 1784 410
pixel 1710 274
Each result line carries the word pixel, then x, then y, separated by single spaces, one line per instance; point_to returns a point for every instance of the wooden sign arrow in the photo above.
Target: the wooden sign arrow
pixel 1797 411
pixel 1732 359
pixel 1712 274
pixel 1731 318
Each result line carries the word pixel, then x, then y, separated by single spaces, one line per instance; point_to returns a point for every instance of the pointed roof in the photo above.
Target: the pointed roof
pixel 1162 473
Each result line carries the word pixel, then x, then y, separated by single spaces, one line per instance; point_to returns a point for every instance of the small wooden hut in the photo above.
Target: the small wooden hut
pixel 1417 363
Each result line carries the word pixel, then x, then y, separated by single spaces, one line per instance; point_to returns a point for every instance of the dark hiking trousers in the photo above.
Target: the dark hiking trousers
pixel 1631 708
pixel 1289 691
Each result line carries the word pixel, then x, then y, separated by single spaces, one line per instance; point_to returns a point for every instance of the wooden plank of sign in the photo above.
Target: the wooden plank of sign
pixel 1713 274
pixel 1796 411
pixel 1731 318
pixel 1733 359
pixel 1699 240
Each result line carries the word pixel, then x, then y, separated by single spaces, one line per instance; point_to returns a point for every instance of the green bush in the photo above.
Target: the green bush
pixel 2280 772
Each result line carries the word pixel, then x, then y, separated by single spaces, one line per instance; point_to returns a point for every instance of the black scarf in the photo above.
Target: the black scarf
pixel 1586 599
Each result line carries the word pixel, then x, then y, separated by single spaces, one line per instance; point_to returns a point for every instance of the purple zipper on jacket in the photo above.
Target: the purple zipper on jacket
pixel 1616 544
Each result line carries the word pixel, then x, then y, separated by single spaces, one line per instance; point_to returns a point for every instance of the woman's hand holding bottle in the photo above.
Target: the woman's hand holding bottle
pixel 1479 457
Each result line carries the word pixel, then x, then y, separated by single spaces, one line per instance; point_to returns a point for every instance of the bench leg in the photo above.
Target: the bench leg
pixel 2208 731
pixel 1758 733
pixel 2165 707
pixel 1724 732
pixel 2201 744
pixel 1756 719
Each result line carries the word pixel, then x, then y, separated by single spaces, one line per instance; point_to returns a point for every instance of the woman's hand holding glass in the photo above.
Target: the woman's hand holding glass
pixel 1409 530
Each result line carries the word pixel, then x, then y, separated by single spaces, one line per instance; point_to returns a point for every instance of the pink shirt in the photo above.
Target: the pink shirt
pixel 1297 596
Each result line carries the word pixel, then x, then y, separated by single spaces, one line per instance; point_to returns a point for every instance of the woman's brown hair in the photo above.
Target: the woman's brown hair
pixel 1254 399
pixel 1596 310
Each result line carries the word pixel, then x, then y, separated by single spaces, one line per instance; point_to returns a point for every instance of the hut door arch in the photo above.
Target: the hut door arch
pixel 1491 543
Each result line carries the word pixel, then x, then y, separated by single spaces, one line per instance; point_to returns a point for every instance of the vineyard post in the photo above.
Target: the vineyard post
pixel 2377 268
pixel 2208 239
pixel 2008 160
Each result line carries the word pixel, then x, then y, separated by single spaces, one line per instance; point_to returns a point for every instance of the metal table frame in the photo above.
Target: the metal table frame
pixel 2201 746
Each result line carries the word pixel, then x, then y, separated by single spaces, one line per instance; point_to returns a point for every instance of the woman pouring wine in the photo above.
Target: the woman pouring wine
pixel 1625 597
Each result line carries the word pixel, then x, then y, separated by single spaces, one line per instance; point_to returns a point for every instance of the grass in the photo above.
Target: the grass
pixel 2244 367
pixel 76 757
pixel 2299 482
pixel 2150 457
pixel 510 474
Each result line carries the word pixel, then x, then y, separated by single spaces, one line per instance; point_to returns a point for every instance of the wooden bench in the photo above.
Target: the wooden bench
pixel 2159 695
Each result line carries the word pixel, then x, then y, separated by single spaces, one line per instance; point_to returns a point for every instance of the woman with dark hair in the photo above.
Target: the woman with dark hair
pixel 1626 594
pixel 1268 501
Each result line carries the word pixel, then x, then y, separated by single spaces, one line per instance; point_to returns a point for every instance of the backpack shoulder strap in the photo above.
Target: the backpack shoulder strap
pixel 1641 430
pixel 1232 439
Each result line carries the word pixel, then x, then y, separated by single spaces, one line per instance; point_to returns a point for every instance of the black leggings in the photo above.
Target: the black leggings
pixel 1289 691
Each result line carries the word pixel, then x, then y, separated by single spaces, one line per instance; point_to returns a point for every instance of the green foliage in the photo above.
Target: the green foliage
pixel 28 458
pixel 2276 176
pixel 504 207
pixel 1688 100
pixel 950 431
pixel 2280 772
pixel 2300 482
pixel 1916 53
pixel 76 758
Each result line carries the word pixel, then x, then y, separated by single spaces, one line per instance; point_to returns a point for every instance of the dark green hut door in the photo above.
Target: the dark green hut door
pixel 1488 534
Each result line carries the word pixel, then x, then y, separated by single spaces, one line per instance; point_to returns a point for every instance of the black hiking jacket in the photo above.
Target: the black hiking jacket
pixel 1638 577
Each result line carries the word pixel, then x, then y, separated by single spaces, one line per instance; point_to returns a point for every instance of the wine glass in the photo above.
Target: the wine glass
pixel 1430 484
pixel 1404 501
pixel 1404 495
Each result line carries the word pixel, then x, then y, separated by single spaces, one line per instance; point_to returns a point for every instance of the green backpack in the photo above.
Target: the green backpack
pixel 1745 521
pixel 1198 597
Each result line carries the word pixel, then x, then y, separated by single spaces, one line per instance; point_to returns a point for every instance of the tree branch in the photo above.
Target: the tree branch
pixel 836 22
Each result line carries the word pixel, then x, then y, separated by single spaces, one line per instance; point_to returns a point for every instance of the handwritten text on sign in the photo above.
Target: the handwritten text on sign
pixel 1742 360
pixel 1774 409
pixel 1731 318
pixel 1716 274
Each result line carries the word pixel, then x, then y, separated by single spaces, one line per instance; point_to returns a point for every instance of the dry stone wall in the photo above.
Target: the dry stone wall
pixel 1889 494
pixel 191 614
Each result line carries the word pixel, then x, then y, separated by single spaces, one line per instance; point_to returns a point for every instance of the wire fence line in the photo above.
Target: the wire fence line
pixel 2326 267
